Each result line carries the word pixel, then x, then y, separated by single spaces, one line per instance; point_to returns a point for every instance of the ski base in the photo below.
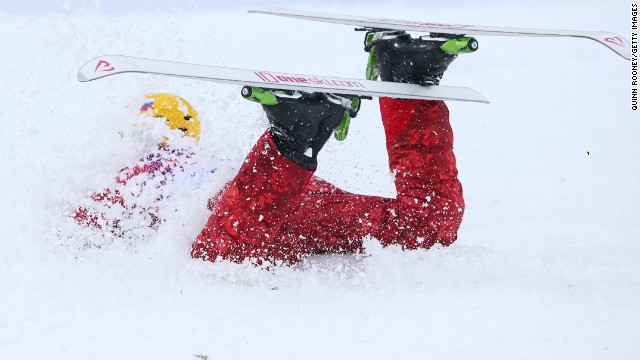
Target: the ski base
pixel 612 41
pixel 116 64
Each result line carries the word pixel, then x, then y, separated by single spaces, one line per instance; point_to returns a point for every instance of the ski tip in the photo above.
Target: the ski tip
pixel 468 94
pixel 83 72
pixel 479 99
pixel 614 42
pixel 88 71
pixel 101 67
pixel 82 77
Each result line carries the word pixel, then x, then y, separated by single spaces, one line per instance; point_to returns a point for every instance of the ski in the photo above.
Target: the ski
pixel 612 41
pixel 109 65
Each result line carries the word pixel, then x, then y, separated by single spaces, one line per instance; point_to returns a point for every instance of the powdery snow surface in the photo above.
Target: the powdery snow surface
pixel 546 261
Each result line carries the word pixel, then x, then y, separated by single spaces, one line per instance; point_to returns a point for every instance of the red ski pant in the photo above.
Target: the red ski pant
pixel 276 211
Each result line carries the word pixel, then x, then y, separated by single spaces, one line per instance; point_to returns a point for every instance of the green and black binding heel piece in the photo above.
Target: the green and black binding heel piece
pixel 395 56
pixel 272 97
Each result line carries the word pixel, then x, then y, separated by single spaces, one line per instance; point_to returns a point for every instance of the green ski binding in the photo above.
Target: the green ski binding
pixel 267 97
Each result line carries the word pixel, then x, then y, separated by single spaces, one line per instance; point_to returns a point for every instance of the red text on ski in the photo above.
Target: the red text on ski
pixel 614 40
pixel 104 66
pixel 301 79
pixel 419 23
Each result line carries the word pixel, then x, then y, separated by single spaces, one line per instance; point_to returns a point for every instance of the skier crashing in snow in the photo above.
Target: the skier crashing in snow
pixel 276 211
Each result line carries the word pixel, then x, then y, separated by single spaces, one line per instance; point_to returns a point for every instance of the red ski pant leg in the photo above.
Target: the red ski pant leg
pixel 274 210
pixel 253 207
pixel 327 219
pixel 429 205
pixel 429 197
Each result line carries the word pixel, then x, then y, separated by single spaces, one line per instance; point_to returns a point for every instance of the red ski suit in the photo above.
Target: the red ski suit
pixel 276 211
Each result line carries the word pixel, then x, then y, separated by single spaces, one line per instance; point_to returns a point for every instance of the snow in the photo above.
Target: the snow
pixel 546 261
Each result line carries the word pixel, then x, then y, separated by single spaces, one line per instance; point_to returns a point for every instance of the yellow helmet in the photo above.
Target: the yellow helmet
pixel 177 112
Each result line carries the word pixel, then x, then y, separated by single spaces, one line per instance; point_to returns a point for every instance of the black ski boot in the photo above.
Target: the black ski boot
pixel 301 122
pixel 397 57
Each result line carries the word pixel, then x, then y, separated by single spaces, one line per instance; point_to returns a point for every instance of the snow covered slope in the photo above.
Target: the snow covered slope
pixel 546 261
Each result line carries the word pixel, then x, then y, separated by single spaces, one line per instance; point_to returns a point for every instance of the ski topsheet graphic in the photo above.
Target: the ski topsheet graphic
pixel 115 64
pixel 613 41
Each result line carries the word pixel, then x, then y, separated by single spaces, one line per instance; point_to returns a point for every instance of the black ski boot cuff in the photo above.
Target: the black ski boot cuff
pixel 289 149
pixel 401 58
pixel 302 123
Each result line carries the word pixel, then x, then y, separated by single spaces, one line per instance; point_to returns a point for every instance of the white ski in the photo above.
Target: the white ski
pixel 613 41
pixel 115 64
